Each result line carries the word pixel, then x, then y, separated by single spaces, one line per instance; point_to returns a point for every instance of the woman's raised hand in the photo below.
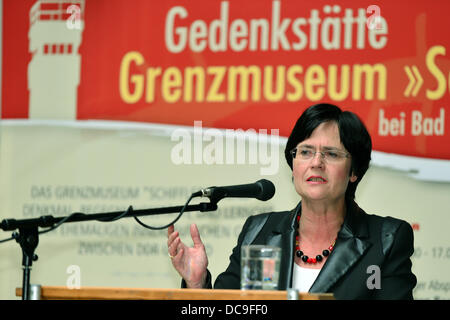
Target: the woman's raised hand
pixel 190 262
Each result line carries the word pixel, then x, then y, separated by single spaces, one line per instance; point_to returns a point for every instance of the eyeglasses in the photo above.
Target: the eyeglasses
pixel 328 155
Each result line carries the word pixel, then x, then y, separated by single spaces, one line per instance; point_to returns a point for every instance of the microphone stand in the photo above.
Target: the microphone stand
pixel 28 235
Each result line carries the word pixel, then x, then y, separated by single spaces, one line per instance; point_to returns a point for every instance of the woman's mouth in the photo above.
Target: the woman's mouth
pixel 317 179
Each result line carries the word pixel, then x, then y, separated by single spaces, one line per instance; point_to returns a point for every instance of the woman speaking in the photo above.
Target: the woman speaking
pixel 329 244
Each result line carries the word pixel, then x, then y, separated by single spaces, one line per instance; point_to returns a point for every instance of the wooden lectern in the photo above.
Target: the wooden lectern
pixel 108 293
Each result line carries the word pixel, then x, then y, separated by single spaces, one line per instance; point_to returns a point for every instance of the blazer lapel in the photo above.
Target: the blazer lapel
pixel 350 246
pixel 284 237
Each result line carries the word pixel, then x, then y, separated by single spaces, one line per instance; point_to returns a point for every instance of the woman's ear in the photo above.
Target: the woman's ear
pixel 353 178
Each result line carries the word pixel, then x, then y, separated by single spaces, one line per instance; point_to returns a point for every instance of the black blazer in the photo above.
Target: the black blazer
pixel 363 240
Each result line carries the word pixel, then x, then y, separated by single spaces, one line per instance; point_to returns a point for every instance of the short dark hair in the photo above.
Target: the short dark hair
pixel 353 134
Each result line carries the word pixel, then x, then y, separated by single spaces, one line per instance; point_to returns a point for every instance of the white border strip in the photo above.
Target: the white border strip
pixel 424 169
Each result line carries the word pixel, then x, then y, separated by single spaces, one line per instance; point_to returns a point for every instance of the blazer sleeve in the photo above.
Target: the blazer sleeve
pixel 208 282
pixel 231 277
pixel 397 279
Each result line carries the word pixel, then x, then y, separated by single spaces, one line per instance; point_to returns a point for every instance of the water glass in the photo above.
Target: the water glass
pixel 260 267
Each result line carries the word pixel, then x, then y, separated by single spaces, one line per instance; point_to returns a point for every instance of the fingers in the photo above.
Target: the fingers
pixel 178 255
pixel 170 230
pixel 173 240
pixel 174 244
pixel 195 235
pixel 172 237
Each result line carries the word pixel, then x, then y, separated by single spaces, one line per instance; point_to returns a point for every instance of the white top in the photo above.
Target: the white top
pixel 303 278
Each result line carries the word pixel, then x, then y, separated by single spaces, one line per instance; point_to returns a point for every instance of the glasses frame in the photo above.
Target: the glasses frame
pixel 342 154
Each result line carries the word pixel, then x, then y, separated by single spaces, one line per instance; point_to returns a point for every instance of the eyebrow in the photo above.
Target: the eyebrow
pixel 309 146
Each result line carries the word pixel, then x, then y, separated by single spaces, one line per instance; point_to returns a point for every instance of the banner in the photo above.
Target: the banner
pixel 234 64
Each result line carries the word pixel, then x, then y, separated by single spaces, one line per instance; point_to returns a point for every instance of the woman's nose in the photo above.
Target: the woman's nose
pixel 317 160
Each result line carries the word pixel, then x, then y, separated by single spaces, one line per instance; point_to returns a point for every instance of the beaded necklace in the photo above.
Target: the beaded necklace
pixel 305 258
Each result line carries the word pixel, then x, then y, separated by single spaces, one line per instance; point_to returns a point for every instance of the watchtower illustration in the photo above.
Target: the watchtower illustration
pixel 55 34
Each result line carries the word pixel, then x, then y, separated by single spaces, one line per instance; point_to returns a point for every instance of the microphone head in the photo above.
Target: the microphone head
pixel 267 189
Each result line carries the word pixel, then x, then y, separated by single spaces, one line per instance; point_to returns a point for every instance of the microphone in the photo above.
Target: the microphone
pixel 262 190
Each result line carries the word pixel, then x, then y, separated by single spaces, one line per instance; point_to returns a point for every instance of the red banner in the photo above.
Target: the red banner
pixel 234 64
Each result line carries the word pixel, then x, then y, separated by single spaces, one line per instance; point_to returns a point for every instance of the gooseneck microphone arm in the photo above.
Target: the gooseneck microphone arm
pixel 28 235
pixel 50 221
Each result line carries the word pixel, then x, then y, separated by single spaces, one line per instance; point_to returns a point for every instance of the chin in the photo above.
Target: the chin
pixel 312 196
pixel 316 198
